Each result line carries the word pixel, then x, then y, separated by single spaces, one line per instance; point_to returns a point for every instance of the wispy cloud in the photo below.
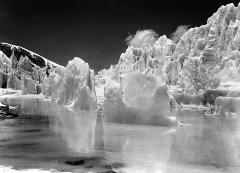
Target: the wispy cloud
pixel 142 38
pixel 180 31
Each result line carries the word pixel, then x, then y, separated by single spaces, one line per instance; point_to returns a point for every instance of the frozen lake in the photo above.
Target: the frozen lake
pixel 47 137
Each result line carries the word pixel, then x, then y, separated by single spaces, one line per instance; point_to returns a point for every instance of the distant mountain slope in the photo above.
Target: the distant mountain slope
pixel 19 51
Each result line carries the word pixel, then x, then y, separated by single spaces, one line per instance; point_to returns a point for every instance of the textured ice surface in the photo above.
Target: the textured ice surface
pixel 13 82
pixel 28 85
pixel 146 94
pixel 84 100
pixel 112 90
pixel 76 87
pixel 144 101
pixel 25 64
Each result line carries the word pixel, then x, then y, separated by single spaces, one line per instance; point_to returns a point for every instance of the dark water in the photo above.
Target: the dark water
pixel 47 137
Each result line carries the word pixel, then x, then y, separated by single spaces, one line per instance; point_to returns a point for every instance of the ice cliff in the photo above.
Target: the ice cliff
pixel 141 85
pixel 205 57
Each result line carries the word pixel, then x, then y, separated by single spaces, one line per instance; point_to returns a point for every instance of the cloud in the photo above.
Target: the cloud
pixel 142 38
pixel 180 31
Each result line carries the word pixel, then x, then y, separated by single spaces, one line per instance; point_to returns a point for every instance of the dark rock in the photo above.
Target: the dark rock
pixel 107 166
pixel 8 115
pixel 75 162
pixel 108 171
pixel 210 95
pixel 38 88
pixel 89 166
pixel 3 80
pixel 117 165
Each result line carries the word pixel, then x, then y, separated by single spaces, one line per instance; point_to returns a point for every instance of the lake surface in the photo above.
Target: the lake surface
pixel 49 137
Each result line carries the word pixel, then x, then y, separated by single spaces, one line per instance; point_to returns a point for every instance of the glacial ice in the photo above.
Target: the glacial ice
pixel 85 100
pixel 112 90
pixel 144 99
pixel 25 64
pixel 13 82
pixel 203 58
pixel 147 74
pixel 76 86
pixel 28 85
pixel 73 86
pixel 51 85
pixel 147 94
pixel 4 61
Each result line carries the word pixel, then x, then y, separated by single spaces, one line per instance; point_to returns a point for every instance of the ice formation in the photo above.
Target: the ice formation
pixel 112 90
pixel 140 99
pixel 195 68
pixel 84 100
pixel 25 64
pixel 203 58
pixel 13 82
pixel 199 60
pixel 28 86
pixel 76 87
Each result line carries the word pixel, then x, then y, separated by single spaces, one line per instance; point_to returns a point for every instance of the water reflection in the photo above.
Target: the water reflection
pixel 99 134
pixel 76 129
pixel 213 142
pixel 46 135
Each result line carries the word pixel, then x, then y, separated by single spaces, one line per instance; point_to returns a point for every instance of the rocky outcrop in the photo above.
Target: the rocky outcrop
pixel 3 80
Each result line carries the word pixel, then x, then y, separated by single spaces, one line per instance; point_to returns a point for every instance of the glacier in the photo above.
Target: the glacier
pixel 201 64
pixel 72 86
pixel 198 65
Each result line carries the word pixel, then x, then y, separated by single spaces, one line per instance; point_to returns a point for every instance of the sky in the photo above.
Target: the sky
pixel 94 30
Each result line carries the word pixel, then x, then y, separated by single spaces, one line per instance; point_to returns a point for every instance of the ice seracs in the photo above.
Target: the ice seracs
pixel 13 82
pixel 31 73
pixel 76 88
pixel 203 58
pixel 140 88
pixel 28 85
